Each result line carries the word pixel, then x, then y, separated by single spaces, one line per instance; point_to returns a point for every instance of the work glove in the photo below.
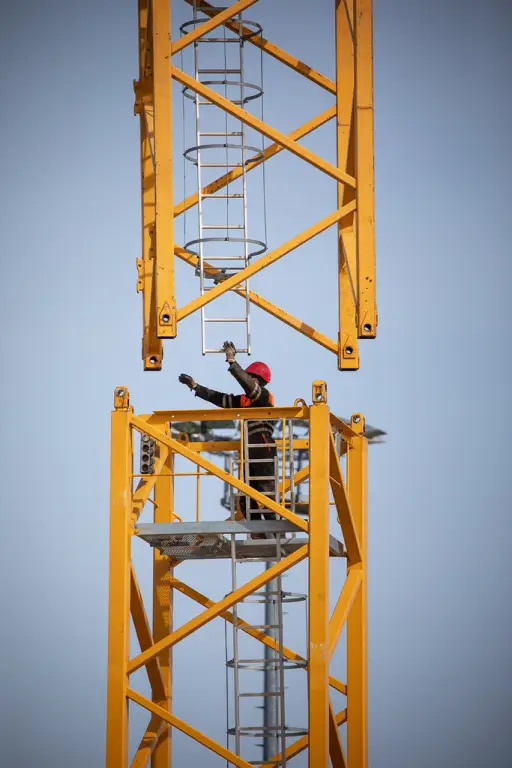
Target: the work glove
pixel 184 378
pixel 230 350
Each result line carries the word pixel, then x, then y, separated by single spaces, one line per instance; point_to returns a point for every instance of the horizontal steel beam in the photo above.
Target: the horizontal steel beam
pixel 225 414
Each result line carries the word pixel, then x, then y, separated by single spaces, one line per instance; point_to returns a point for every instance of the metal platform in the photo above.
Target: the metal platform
pixel 209 540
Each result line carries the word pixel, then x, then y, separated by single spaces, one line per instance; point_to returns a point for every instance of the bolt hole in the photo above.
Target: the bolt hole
pixel 348 350
pixel 367 328
pixel 357 419
pixel 153 360
pixel 120 392
pixel 166 318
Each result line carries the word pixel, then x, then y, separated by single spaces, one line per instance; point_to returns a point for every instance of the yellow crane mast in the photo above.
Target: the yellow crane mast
pixel 336 466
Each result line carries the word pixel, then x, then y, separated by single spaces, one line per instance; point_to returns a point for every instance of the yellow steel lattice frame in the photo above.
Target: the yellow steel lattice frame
pixel 354 216
pixel 156 642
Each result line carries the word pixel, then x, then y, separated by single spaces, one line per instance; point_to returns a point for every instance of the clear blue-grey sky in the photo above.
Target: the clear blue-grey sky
pixel 436 378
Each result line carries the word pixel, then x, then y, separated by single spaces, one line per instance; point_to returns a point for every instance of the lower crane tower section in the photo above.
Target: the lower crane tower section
pixel 266 534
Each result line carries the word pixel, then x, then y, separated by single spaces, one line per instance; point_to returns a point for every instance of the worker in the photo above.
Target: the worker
pixel 253 381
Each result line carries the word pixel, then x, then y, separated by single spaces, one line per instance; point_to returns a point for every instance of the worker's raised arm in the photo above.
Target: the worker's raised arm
pixel 248 383
pixel 220 399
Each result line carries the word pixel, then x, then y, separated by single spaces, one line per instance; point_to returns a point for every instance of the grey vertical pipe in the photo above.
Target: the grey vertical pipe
pixel 271 703
pixel 271 712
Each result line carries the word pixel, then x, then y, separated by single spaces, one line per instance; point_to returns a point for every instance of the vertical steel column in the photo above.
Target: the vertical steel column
pixel 152 349
pixel 348 350
pixel 164 234
pixel 357 639
pixel 367 314
pixel 318 620
pixel 163 605
pixel 119 590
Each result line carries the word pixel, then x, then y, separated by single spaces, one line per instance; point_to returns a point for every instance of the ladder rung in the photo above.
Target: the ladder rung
pixel 265 693
pixel 225 319
pixel 211 104
pixel 219 71
pixel 220 133
pixel 217 39
pixel 257 626
pixel 223 195
pixel 214 277
pixel 222 226
pixel 245 351
pixel 224 258
pixel 221 165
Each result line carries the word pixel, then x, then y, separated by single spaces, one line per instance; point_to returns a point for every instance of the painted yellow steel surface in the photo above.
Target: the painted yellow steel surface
pixel 357 628
pixel 353 110
pixel 253 162
pixel 256 633
pixel 163 169
pixel 119 592
pixel 184 727
pixel 262 127
pixel 348 358
pixel 152 349
pixel 148 742
pixel 265 261
pixel 145 638
pixel 274 51
pixel 363 109
pixel 163 603
pixel 318 617
pixel 217 609
pixel 325 472
pixel 208 26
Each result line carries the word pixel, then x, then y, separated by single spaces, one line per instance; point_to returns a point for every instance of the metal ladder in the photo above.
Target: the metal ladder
pixel 295 460
pixel 273 731
pixel 223 241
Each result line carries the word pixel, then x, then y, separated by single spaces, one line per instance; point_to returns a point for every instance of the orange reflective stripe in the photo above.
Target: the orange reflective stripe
pixel 246 402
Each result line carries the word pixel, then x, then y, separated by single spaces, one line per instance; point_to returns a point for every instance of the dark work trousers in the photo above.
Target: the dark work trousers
pixel 263 450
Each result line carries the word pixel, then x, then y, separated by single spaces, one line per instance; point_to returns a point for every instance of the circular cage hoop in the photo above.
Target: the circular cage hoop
pixel 190 94
pixel 260 665
pixel 247 147
pixel 253 27
pixel 262 246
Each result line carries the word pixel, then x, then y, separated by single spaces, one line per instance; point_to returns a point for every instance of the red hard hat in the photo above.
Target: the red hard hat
pixel 260 369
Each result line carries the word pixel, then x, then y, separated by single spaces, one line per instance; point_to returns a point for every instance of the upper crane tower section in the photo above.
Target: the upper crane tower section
pixel 352 213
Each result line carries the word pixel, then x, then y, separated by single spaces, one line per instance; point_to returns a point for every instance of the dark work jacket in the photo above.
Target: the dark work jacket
pixel 255 396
